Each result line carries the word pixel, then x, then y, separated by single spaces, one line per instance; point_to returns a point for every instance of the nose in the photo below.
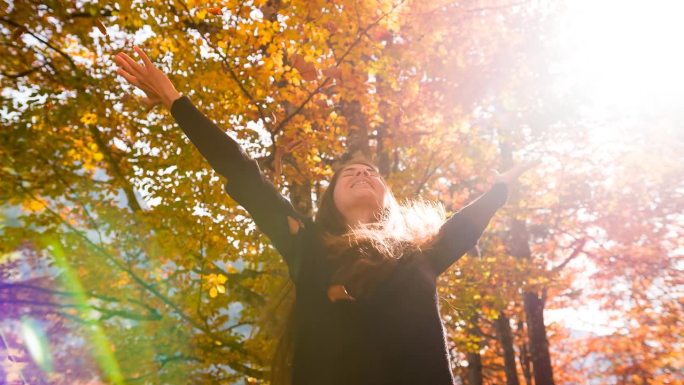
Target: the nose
pixel 362 171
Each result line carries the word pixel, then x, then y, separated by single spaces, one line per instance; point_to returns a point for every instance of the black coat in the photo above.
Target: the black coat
pixel 393 336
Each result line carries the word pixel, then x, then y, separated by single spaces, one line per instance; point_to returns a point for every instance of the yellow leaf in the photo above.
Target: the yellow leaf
pixel 222 279
pixel 221 289
pixel 33 205
pixel 88 118
pixel 212 292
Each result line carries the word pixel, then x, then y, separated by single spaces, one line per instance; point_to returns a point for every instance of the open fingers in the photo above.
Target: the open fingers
pixel 523 167
pixel 149 103
pixel 136 82
pixel 123 65
pixel 130 78
pixel 134 67
pixel 529 164
pixel 145 59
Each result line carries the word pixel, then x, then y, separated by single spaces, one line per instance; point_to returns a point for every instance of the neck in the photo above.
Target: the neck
pixel 358 216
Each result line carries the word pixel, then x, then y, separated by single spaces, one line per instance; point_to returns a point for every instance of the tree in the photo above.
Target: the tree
pixel 117 234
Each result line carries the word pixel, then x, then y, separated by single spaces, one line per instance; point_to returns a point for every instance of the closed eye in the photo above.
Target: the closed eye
pixel 352 172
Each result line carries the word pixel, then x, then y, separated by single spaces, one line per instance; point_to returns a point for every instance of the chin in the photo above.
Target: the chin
pixel 366 192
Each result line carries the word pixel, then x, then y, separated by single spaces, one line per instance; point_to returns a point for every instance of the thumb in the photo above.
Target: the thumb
pixel 496 176
pixel 530 164
pixel 149 103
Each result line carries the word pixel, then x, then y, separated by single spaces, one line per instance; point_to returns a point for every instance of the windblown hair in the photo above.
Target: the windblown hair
pixel 363 256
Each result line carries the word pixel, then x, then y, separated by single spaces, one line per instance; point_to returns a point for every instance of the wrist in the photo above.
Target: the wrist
pixel 170 97
pixel 500 179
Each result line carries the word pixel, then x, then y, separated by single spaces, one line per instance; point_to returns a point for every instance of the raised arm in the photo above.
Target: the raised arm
pixel 272 213
pixel 462 230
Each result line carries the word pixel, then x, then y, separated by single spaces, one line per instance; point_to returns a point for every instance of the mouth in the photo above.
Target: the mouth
pixel 361 182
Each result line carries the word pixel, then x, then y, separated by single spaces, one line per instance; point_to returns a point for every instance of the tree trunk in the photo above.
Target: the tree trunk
pixel 539 344
pixel 503 331
pixel 473 358
pixel 357 124
pixel 524 356
pixel 519 247
pixel 534 312
pixel 474 368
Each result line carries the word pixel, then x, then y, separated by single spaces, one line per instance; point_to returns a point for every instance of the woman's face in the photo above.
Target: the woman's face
pixel 359 188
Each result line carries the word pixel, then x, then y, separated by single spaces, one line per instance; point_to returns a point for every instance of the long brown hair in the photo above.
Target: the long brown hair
pixel 363 256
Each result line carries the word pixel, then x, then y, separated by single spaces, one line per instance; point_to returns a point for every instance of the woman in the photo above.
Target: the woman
pixel 364 269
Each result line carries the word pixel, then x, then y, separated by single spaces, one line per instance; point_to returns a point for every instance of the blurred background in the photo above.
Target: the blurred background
pixel 123 260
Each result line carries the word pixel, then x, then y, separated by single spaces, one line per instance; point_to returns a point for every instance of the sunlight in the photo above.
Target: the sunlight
pixel 624 62
pixel 624 58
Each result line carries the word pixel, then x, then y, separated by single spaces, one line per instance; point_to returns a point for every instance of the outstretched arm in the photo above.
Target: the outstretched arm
pixel 272 212
pixel 462 230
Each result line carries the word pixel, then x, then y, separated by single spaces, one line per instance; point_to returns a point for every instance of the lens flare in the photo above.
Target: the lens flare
pixel 37 343
pixel 101 346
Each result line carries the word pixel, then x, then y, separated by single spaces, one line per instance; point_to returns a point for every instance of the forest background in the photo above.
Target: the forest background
pixel 124 261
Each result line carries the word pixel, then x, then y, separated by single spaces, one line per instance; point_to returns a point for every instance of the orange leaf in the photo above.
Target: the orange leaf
pixel 380 34
pixel 17 33
pixel 215 11
pixel 306 70
pixel 330 26
pixel 333 72
pixel 267 11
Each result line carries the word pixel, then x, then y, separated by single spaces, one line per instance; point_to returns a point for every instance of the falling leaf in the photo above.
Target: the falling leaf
pixel 101 27
pixel 293 224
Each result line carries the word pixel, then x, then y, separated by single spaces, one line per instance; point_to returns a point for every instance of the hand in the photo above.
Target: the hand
pixel 514 173
pixel 150 79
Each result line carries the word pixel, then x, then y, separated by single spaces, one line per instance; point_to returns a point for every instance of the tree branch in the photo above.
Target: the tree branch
pixel 360 36
pixel 579 246
pixel 42 40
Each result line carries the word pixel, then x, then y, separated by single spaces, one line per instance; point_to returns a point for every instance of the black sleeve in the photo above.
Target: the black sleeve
pixel 246 184
pixel 462 230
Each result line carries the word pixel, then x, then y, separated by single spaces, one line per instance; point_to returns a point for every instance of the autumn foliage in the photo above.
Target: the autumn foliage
pixel 120 245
